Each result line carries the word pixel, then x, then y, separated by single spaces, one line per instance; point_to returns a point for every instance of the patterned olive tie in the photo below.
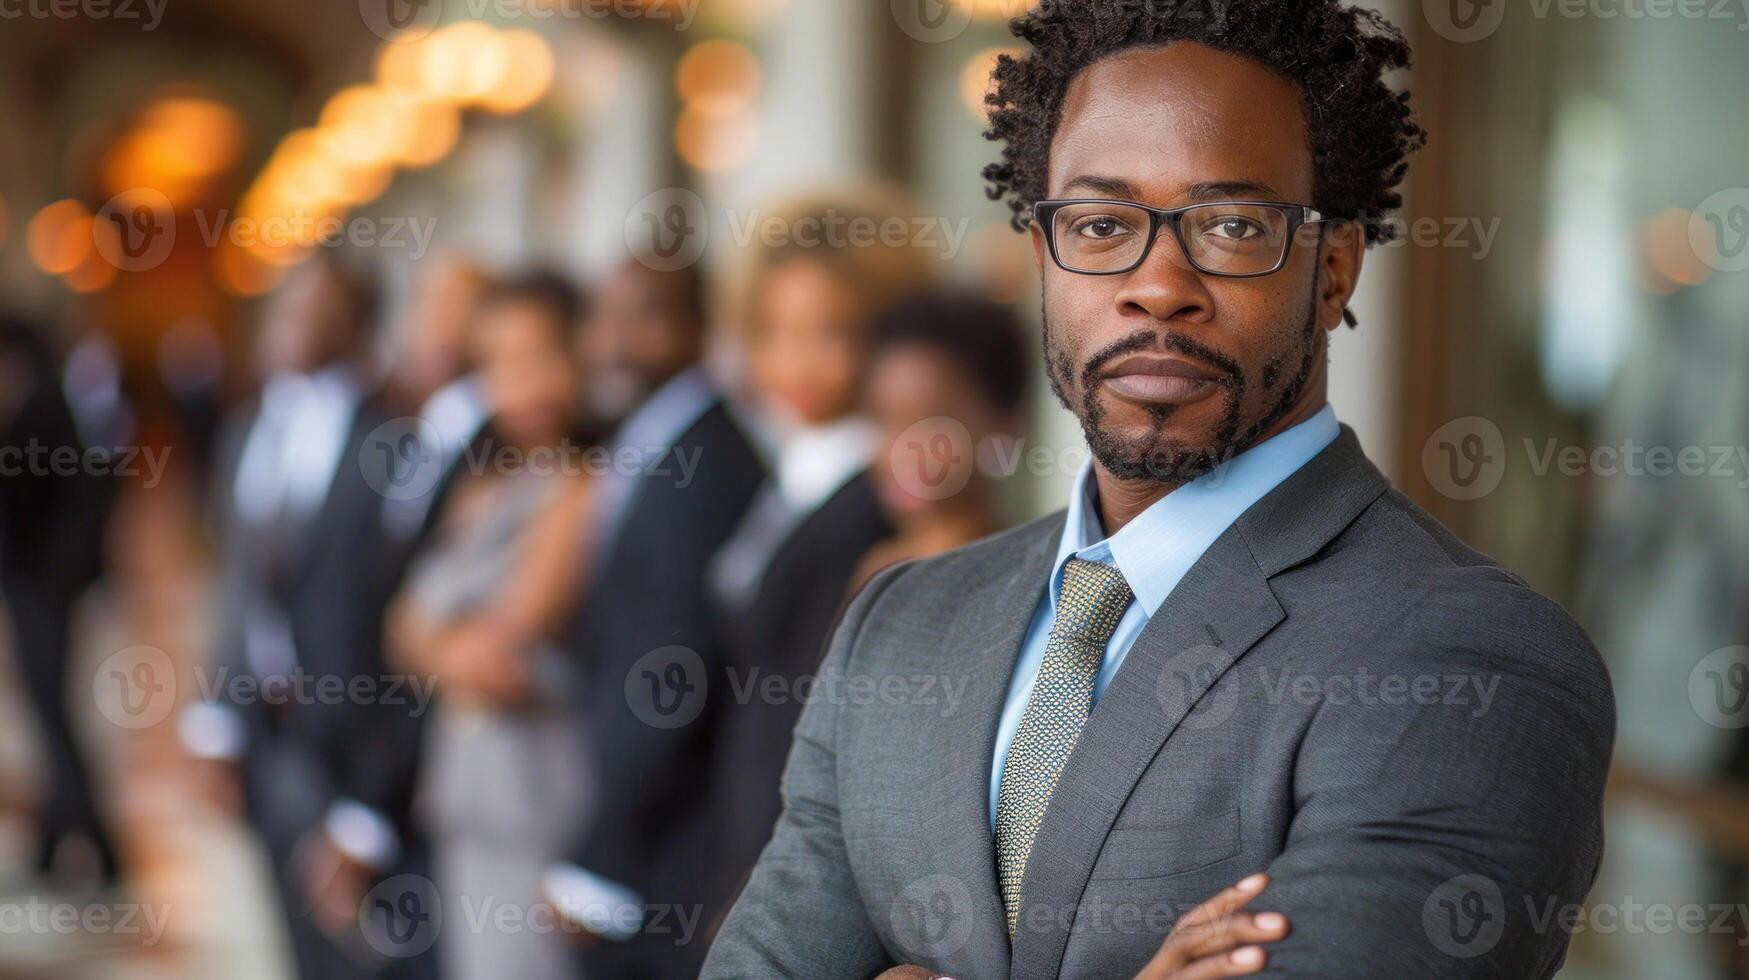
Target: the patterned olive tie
pixel 1093 599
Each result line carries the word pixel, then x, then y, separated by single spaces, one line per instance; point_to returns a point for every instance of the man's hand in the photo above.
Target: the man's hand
pixel 334 883
pixel 1216 939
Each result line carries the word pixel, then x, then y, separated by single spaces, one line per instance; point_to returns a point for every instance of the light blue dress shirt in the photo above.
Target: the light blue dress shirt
pixel 1154 551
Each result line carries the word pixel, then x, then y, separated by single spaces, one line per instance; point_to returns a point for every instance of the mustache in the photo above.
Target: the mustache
pixel 1146 340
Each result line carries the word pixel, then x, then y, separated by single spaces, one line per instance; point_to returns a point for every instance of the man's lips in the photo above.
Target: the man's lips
pixel 1159 379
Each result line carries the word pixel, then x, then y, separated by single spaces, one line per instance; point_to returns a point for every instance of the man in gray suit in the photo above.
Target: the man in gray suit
pixel 1238 656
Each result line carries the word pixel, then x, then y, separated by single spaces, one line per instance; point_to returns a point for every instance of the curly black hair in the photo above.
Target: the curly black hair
pixel 1361 132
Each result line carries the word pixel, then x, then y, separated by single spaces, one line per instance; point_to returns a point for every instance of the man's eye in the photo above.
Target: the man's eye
pixel 1232 228
pixel 1100 226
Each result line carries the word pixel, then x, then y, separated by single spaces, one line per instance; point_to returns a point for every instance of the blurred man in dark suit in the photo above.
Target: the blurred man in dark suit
pixel 299 501
pixel 682 474
pixel 432 388
pixel 52 520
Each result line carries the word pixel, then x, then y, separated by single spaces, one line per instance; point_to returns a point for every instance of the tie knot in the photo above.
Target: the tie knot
pixel 1094 595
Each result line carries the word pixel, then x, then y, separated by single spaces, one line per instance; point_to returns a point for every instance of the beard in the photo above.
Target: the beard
pixel 1153 456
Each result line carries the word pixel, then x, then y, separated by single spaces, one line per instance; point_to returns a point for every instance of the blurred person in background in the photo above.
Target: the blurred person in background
pixel 432 377
pixel 297 493
pixel 373 833
pixel 434 347
pixel 947 385
pixel 780 581
pixel 682 474
pixel 52 522
pixel 505 784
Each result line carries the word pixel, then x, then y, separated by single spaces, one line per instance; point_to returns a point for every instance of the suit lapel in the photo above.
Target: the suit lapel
pixel 986 639
pixel 1221 608
pixel 343 489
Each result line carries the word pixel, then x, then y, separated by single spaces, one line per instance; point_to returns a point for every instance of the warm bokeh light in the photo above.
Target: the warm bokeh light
pixel 528 76
pixel 463 61
pixel 717 76
pixel 590 71
pixel 59 236
pixel 715 141
pixel 400 65
pixel 94 271
pixel 364 126
pixel 436 127
pixel 191 137
pixel 176 146
pixel 301 173
pixel 240 273
pixel 975 80
pixel 1671 262
pixel 997 10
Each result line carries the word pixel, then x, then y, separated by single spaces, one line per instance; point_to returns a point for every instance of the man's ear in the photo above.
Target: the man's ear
pixel 1339 270
pixel 1038 245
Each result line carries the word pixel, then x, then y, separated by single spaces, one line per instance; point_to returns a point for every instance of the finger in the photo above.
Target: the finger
pixel 1225 903
pixel 1225 935
pixel 1237 963
pixel 1171 956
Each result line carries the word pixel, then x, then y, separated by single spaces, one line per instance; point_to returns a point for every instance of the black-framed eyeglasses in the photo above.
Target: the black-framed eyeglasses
pixel 1234 239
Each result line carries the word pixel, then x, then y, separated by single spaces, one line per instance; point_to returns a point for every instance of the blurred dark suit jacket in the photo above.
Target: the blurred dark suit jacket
pixel 332 579
pixel 782 633
pixel 1404 836
pixel 649 593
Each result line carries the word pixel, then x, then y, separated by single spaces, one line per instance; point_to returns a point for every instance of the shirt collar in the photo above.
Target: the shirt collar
pixel 669 411
pixel 1157 547
pixel 812 463
pixel 285 393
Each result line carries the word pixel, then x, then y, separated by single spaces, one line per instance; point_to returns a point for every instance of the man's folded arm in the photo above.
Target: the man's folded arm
pixel 1450 835
pixel 801 914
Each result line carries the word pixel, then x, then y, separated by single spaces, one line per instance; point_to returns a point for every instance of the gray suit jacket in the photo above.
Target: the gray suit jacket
pixel 1409 740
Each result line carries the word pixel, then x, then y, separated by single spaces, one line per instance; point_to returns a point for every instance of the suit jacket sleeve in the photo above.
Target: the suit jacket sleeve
pixel 1448 838
pixel 801 914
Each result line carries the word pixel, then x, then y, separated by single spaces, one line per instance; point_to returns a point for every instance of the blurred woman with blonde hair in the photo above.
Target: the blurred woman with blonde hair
pixel 806 297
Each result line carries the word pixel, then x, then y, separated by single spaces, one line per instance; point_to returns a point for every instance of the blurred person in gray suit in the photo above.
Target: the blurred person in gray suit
pixel 504 788
pixel 1241 708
